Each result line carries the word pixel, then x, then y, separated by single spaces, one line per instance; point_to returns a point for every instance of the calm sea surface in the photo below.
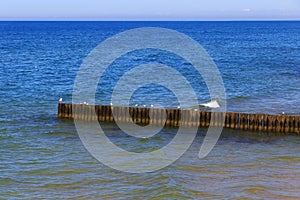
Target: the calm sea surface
pixel 42 157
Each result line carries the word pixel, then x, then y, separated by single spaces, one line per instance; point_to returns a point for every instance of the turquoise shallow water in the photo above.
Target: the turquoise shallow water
pixel 42 156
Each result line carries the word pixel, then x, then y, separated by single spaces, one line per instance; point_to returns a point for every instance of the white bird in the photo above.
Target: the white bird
pixel 178 107
pixel 60 100
pixel 136 105
pixel 282 113
pixel 144 106
pixel 211 104
pixel 84 103
pixel 111 103
pixel 151 105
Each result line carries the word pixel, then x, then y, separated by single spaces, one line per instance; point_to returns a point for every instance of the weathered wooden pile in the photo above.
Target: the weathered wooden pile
pixel 179 117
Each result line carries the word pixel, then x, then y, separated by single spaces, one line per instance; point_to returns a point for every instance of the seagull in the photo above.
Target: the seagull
pixel 111 103
pixel 151 105
pixel 211 104
pixel 136 105
pixel 144 106
pixel 178 107
pixel 282 113
pixel 60 100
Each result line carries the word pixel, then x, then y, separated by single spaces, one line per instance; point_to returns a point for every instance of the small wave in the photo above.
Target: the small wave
pixel 239 98
pixel 60 133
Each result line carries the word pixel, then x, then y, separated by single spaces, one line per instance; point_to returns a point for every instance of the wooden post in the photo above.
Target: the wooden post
pixel 120 114
pixel 158 116
pixel 202 119
pixel 59 110
pixel 81 112
pixel 84 117
pixel 115 113
pixel 168 120
pixel 268 123
pixel 196 118
pixel 243 121
pixel 193 118
pixel 273 124
pixel 277 124
pixel 287 124
pixel 189 118
pixel 175 121
pixel 68 110
pixel 105 113
pixel 93 112
pixel 78 111
pixel 134 115
pixel 123 111
pixel 232 123
pixel 172 117
pixel 63 110
pixel 140 115
pixel 90 112
pixel 102 113
pixel 228 120
pixel 152 116
pixel 147 116
pixel 207 119
pixel 281 124
pixel 163 113
pixel 97 111
pixel 130 119
pixel 260 121
pixel 296 120
pixel 238 124
pixel 183 119
pixel 74 106
pixel 143 116
pixel 70 115
pixel 213 119
pixel 251 122
pixel 111 118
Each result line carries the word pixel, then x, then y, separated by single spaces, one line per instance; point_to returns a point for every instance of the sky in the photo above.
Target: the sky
pixel 149 9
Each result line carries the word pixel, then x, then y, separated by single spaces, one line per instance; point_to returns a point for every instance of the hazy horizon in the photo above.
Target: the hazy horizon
pixel 155 10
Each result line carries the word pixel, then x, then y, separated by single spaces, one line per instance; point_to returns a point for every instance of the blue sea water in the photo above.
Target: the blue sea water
pixel 42 157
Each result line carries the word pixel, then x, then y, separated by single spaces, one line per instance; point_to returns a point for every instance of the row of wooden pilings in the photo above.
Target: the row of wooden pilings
pixel 179 117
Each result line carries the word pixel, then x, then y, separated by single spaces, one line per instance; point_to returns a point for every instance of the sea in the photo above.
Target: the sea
pixel 42 157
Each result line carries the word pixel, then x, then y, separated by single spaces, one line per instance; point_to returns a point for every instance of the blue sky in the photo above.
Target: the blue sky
pixel 149 9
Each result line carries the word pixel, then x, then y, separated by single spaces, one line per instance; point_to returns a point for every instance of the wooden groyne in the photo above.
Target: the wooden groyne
pixel 178 117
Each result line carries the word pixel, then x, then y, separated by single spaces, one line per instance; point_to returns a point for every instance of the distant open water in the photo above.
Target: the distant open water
pixel 42 157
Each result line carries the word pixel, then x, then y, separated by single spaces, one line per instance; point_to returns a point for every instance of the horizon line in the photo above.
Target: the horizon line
pixel 142 20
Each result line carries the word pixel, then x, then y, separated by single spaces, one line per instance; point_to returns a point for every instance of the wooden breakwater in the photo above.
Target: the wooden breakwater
pixel 179 117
